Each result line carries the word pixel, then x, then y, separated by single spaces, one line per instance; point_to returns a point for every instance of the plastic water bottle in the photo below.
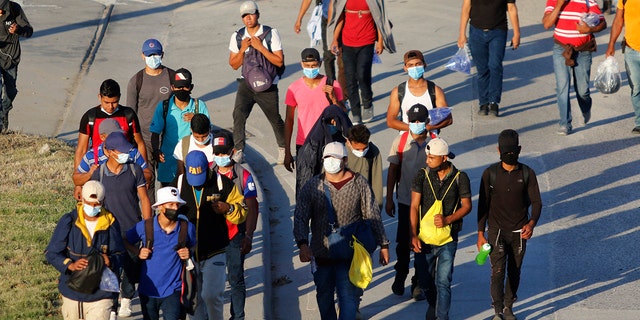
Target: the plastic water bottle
pixel 481 258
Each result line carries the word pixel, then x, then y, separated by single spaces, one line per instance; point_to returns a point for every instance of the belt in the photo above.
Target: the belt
pixel 359 12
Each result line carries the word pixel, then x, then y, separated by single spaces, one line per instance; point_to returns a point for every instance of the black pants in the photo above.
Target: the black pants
pixel 506 260
pixel 357 71
pixel 403 245
pixel 268 102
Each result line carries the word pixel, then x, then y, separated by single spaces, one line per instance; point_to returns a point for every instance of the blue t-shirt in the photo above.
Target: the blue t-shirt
pixel 176 128
pixel 89 159
pixel 160 273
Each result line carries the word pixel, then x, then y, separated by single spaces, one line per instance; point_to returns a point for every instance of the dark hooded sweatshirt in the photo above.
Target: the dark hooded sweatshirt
pixel 10 43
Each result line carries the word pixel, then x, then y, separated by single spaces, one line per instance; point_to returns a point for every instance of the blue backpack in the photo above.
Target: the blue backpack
pixel 257 71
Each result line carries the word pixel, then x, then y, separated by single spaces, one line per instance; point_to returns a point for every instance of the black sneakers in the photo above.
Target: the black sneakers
pixel 493 109
pixel 484 109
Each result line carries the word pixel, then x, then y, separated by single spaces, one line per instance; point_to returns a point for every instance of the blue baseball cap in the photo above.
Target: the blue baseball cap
pixel 117 141
pixel 196 164
pixel 151 47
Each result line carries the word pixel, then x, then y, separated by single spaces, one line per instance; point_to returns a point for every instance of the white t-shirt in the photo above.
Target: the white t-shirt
pixel 91 226
pixel 410 100
pixel 208 149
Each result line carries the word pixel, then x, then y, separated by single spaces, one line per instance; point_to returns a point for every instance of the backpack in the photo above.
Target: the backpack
pixel 431 87
pixel 129 115
pixel 493 172
pixel 257 71
pixel 140 75
pixel 429 233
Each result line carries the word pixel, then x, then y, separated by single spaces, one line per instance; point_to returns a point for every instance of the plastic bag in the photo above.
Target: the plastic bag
pixel 607 78
pixel 376 57
pixel 436 115
pixel 591 19
pixel 314 26
pixel 109 281
pixel 460 62
pixel 361 270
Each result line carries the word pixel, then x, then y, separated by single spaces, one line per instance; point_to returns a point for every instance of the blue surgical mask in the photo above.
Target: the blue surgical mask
pixel 222 161
pixel 311 73
pixel 123 158
pixel 332 165
pixel 153 62
pixel 91 211
pixel 416 72
pixel 202 143
pixel 332 129
pixel 359 153
pixel 417 127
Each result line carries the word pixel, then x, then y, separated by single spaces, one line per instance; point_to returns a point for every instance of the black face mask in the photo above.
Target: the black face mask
pixel 171 214
pixel 442 166
pixel 182 95
pixel 510 158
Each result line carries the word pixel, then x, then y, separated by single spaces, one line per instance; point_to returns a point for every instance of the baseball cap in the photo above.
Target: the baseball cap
pixel 309 55
pixel 93 192
pixel 413 54
pixel 117 141
pixel 222 143
pixel 196 164
pixel 418 112
pixel 167 194
pixel 439 147
pixel 151 46
pixel 508 141
pixel 248 7
pixel 334 149
pixel 109 125
pixel 182 78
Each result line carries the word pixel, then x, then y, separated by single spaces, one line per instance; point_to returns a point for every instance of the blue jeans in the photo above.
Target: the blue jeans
pixel 9 90
pixel 436 279
pixel 632 65
pixel 235 276
pixel 581 73
pixel 487 50
pixel 357 63
pixel 170 307
pixel 331 279
pixel 211 274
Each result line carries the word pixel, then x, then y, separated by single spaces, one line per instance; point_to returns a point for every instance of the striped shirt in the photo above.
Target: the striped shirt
pixel 89 159
pixel 566 30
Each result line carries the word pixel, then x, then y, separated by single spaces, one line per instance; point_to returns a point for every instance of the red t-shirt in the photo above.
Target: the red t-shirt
pixel 570 15
pixel 359 28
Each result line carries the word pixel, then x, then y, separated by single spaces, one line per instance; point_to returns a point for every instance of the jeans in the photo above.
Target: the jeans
pixel 581 73
pixel 357 71
pixel 9 90
pixel 487 50
pixel 211 277
pixel 268 102
pixel 437 275
pixel 331 279
pixel 507 255
pixel 235 276
pixel 170 307
pixel 632 66
pixel 328 57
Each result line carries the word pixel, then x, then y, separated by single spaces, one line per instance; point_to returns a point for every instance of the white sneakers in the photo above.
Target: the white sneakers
pixel 125 308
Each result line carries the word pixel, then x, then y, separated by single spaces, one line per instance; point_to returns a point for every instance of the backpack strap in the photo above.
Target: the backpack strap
pixel 493 173
pixel 130 115
pixel 185 146
pixel 403 142
pixel 182 235
pixel 431 87
pixel 165 112
pixel 329 82
pixel 148 233
pixel 91 120
pixel 401 91
pixel 266 32
pixel 455 179
pixel 139 77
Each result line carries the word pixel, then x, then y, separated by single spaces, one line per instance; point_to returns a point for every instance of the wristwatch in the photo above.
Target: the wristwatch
pixel 231 208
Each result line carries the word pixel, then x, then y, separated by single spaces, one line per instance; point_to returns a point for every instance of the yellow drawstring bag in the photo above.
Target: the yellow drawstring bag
pixel 361 270
pixel 429 233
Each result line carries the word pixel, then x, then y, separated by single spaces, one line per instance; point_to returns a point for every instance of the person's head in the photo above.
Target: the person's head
pixel 168 202
pixel 117 147
pixel 196 167
pixel 109 96
pixel 107 126
pixel 92 197
pixel 418 116
pixel 358 139
pixel 223 149
pixel 249 13
pixel 201 129
pixel 438 154
pixel 152 53
pixel 311 62
pixel 334 157
pixel 182 84
pixel 509 146
pixel 414 64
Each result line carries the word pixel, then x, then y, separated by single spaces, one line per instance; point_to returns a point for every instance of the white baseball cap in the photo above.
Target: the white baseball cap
pixel 248 7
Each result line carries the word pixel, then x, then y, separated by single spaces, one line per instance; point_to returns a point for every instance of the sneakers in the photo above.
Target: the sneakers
pixel 398 285
pixel 112 316
pixel 238 157
pixel 281 154
pixel 493 109
pixel 418 294
pixel 507 314
pixel 367 114
pixel 355 119
pixel 484 109
pixel 586 116
pixel 497 316
pixel 636 130
pixel 125 308
pixel 563 130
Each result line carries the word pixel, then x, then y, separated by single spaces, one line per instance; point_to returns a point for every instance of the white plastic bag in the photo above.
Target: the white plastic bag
pixel 460 62
pixel 314 26
pixel 608 78
pixel 109 281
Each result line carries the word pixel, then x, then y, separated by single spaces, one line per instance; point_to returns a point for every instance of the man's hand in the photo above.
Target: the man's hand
pixel 158 156
pixel 527 231
pixel 379 47
pixel 390 208
pixel 305 253
pixel 289 164
pixel 77 193
pixel 481 241
pixel 329 90
pixel 220 207
pixel 256 43
pixel 107 262
pixel 187 116
pixel 78 265
pixel 384 256
pixel 183 253
pixel 439 221
pixel 13 28
pixel 245 44
pixel 144 253
pixel 416 244
pixel 462 40
pixel 245 246
pixel 296 27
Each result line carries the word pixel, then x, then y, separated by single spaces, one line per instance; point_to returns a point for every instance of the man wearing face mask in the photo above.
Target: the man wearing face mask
pixel 310 95
pixel 161 267
pixel 199 139
pixel 171 122
pixel 440 180
pixel 145 90
pixel 240 235
pixel 507 189
pixel 406 157
pixel 126 197
pixel 89 227
pixel 365 159
pixel 415 90
pixel 352 200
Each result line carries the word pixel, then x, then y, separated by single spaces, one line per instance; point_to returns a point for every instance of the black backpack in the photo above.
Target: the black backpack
pixel 257 71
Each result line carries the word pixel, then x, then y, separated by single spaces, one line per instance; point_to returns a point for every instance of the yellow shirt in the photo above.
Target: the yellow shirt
pixel 631 22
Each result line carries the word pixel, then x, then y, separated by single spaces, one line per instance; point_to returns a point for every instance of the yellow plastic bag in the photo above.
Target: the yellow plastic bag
pixel 429 233
pixel 361 270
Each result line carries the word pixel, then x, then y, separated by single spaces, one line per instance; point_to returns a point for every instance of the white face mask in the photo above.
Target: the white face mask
pixel 153 62
pixel 202 143
pixel 91 211
pixel 359 153
pixel 332 165
pixel 122 158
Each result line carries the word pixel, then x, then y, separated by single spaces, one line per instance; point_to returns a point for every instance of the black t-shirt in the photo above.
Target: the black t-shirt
pixel 489 14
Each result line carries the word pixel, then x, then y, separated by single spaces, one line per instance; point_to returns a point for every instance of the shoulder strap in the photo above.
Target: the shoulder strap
pixel 197 106
pixel 431 87
pixel 525 174
pixel 182 235
pixel 239 35
pixel 403 142
pixel 493 173
pixel 102 171
pixel 455 178
pixel 266 31
pixel 133 170
pixel 329 82
pixel 401 90
pixel 148 233
pixel 139 77
pixel 333 221
pixel 185 146
pixel 165 111
pixel 129 116
pixel 91 120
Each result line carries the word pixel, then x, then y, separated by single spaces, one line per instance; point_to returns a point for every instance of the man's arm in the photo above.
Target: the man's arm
pixel 414 218
pixel 250 223
pixel 288 132
pixel 24 28
pixel 464 19
pixel 132 94
pixel 392 179
pixel 81 149
pixel 141 146
pixel 392 112
pixel 549 19
pixel 304 6
pixel 145 204
pixel 513 16
pixel 236 58
pixel 616 30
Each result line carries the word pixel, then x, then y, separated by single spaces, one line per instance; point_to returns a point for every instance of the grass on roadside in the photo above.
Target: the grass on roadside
pixel 35 190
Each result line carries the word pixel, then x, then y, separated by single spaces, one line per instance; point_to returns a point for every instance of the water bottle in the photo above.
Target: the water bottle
pixel 481 258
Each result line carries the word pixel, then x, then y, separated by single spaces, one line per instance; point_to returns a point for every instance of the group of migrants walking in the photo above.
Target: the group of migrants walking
pixel 181 242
